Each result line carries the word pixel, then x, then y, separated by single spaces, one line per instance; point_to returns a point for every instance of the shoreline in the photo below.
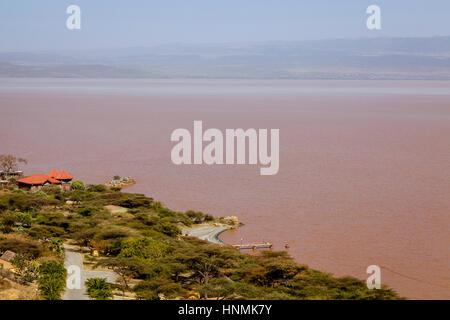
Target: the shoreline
pixel 207 232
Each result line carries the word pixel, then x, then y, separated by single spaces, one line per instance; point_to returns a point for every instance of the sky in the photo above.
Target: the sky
pixel 29 25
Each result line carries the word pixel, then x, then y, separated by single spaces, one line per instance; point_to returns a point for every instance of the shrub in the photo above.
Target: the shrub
pixel 113 233
pixel 99 289
pixel 134 201
pixel 44 231
pixel 7 221
pixel 23 202
pixel 51 189
pixel 151 289
pixel 25 269
pixel 168 229
pixel 144 248
pixel 97 188
pixel 52 280
pixel 41 194
pixel 78 185
pixel 25 219
pixel 87 211
pixel 26 247
pixel 146 219
pixel 56 245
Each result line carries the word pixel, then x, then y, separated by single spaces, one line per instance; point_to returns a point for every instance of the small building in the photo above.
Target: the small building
pixel 5 175
pixel 36 182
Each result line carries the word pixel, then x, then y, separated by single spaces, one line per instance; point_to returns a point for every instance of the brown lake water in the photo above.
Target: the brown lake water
pixel 364 166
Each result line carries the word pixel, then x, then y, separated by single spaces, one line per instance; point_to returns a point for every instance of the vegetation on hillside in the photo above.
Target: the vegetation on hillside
pixel 144 246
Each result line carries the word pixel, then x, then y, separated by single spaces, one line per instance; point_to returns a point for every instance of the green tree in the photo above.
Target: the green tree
pixel 78 185
pixel 126 268
pixel 155 289
pixel 99 289
pixel 52 280
pixel 144 248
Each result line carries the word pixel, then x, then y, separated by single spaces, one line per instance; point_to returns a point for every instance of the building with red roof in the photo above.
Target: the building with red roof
pixel 37 181
pixel 62 176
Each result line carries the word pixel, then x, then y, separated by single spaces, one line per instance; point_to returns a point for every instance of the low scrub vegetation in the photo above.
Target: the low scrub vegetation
pixel 147 251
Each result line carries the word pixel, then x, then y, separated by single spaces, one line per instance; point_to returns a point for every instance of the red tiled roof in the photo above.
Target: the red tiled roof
pixel 63 175
pixel 53 174
pixel 38 179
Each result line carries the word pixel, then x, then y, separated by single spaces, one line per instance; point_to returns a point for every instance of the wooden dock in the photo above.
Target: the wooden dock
pixel 253 246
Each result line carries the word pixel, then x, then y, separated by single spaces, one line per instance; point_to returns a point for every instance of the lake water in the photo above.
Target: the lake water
pixel 364 165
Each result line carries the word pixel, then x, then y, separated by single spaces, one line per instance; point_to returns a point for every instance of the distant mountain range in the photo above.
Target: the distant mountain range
pixel 381 58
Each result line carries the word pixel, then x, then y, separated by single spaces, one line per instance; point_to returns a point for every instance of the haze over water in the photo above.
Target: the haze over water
pixel 364 166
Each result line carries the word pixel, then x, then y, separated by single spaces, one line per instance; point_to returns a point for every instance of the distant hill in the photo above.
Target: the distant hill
pixel 377 58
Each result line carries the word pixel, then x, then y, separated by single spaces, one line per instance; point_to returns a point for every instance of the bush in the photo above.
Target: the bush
pixel 168 229
pixel 99 289
pixel 143 248
pixel 52 190
pixel 24 202
pixel 134 201
pixel 78 185
pixel 151 289
pixel 44 231
pixel 87 211
pixel 113 233
pixel 26 270
pixel 26 247
pixel 52 280
pixel 97 188
pixel 25 219
pixel 7 221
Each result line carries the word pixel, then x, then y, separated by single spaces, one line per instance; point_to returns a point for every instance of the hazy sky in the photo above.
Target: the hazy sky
pixel 40 25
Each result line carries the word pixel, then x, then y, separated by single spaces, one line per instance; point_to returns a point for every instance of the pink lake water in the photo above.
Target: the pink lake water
pixel 364 165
